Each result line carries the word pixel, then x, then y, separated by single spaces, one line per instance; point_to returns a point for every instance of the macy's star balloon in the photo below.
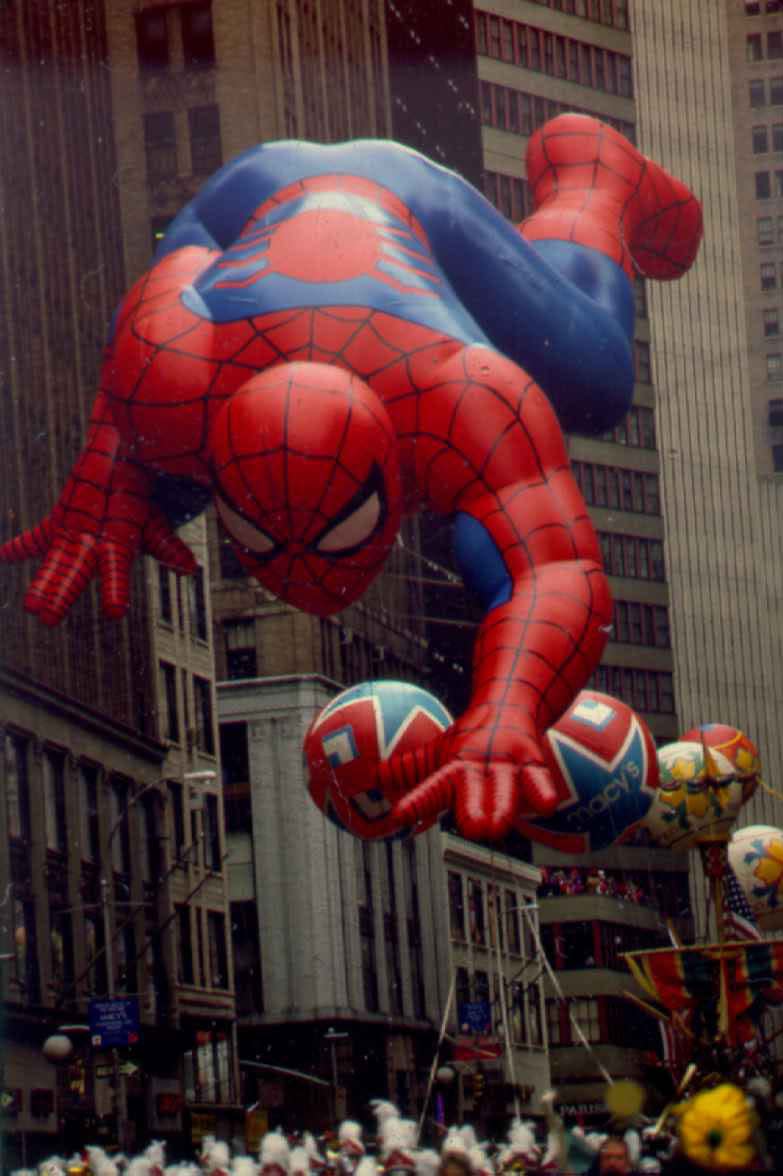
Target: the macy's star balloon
pixel 332 335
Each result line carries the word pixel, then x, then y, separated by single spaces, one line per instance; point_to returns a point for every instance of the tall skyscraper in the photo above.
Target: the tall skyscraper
pixel 535 61
pixel 715 357
pixel 115 847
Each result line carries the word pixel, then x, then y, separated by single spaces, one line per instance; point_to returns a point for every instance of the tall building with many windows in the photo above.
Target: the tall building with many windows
pixel 715 360
pixel 103 722
pixel 538 60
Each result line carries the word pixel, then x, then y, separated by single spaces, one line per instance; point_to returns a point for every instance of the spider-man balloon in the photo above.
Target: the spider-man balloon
pixel 331 335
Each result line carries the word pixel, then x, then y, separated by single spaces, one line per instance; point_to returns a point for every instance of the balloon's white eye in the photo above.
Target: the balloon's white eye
pixel 352 531
pixel 244 532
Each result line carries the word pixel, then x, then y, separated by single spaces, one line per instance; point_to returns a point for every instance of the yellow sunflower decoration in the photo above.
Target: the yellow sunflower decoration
pixel 716 1129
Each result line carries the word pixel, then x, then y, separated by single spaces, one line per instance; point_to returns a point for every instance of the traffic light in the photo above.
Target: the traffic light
pixel 478 1085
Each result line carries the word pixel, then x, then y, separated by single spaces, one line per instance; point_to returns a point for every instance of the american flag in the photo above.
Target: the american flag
pixel 738 921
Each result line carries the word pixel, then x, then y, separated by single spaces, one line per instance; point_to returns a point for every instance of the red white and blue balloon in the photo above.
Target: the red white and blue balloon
pixel 602 758
pixel 359 728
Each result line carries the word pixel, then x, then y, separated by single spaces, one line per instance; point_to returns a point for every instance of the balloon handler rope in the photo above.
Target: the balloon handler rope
pixel 436 1055
pixel 527 912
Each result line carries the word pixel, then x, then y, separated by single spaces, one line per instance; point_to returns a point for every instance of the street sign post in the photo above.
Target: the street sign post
pixel 114 1022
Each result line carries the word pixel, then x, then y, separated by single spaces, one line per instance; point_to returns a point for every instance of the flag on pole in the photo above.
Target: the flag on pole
pixel 738 918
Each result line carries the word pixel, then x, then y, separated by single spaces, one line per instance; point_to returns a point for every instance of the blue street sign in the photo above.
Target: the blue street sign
pixel 475 1017
pixel 114 1022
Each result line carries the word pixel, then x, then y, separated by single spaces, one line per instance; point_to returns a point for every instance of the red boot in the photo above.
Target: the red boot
pixel 591 186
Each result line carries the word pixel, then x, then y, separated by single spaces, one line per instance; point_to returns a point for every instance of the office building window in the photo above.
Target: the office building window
pixel 640 298
pixel 763 186
pixel 230 566
pixel 760 140
pixel 160 144
pixel 777 137
pixel 776 92
pixel 771 322
pixel 641 624
pixel 758 94
pixel 184 946
pixel 768 275
pixel 61 951
pixel 54 802
pixel 168 690
pixel 456 906
pixel 765 229
pixel 202 695
pixel 246 945
pixel 241 649
pixel 152 39
pixel 198 42
pixel 636 429
pixel 164 594
pixel 25 946
pixel 17 788
pixel 774 45
pixel 555 1033
pixel 119 827
pixel 777 176
pixel 177 816
pixel 585 1011
pixel 627 490
pixel 88 780
pixel 775 414
pixel 478 934
pixel 212 851
pixel 512 923
pixel 206 150
pixel 198 605
pixel 777 458
pixel 218 955
pixel 775 368
pixel 235 764
pixel 754 49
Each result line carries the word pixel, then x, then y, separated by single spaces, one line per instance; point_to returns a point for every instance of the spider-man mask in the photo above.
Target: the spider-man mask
pixel 307 483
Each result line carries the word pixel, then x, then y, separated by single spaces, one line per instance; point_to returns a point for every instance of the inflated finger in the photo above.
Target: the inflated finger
pixel 430 799
pixel 29 544
pixel 114 564
pixel 161 542
pixel 65 573
pixel 487 801
pixel 538 789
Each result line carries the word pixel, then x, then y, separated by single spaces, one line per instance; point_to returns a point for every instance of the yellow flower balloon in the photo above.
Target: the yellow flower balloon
pixel 716 1129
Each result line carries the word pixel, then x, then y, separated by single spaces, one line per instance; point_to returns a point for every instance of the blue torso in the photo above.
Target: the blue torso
pixel 563 312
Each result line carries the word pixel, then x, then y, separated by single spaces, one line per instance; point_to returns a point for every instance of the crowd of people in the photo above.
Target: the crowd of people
pixel 718 1130
pixel 555 883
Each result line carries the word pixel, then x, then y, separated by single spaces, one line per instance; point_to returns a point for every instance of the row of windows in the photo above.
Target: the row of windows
pixel 754 46
pixel 160 143
pixel 197 601
pixel 488 908
pixel 208 1072
pixel 617 489
pixel 509 194
pixel 609 12
pixel 632 556
pixel 522 113
pixel 641 624
pixel 760 97
pixel 601 1019
pixel 115 797
pixel 753 7
pixel 154 36
pixel 549 53
pixel 644 690
pixel 771 322
pixel 201 731
pixel 523 1003
pixel 595 944
pixel 637 428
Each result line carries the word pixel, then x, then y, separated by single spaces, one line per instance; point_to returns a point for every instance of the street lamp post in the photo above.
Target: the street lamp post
pixel 333 1037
